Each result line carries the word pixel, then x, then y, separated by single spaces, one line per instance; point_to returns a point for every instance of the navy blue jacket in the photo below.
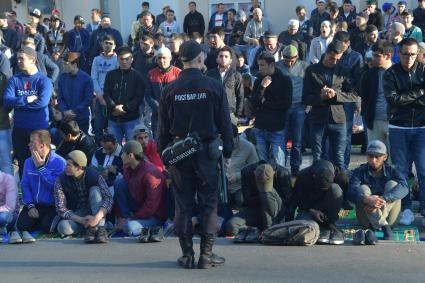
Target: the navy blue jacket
pixel 363 176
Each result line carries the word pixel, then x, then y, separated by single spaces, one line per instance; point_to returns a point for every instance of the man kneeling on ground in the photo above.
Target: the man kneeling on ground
pixel 82 199
pixel 319 198
pixel 377 189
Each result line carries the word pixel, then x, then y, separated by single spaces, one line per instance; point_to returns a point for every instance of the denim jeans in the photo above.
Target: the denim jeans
pixel 6 151
pixel 134 227
pixel 119 130
pixel 21 139
pixel 294 130
pixel 122 198
pixel 100 122
pixel 6 217
pixel 349 108
pixel 407 145
pixel 69 227
pixel 336 133
pixel 270 146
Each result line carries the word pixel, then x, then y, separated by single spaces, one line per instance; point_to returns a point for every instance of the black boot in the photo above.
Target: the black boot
pixel 187 260
pixel 207 259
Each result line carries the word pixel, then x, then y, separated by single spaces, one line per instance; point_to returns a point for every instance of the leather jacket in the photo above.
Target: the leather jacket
pixel 404 91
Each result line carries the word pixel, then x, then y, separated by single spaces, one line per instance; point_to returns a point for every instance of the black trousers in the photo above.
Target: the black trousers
pixel 46 220
pixel 197 177
pixel 21 151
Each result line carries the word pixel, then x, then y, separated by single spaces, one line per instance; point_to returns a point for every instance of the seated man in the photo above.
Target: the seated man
pixel 318 197
pixel 243 154
pixel 141 134
pixel 82 200
pixel 75 139
pixel 38 178
pixel 266 193
pixel 107 160
pixel 140 196
pixel 377 189
pixel 9 205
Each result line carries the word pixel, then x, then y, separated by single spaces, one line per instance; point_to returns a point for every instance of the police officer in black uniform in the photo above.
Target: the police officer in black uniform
pixel 195 103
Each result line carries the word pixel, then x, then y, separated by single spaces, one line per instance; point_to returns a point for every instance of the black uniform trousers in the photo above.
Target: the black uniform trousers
pixel 196 176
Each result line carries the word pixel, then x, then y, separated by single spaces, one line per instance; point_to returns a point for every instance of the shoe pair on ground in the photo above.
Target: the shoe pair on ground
pixel 153 234
pixel 331 236
pixel 368 237
pixel 96 235
pixel 207 259
pixel 247 235
pixel 23 237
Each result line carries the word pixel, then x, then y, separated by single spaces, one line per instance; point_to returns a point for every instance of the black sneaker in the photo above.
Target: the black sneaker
pixel 336 238
pixel 157 234
pixel 359 237
pixel 388 233
pixel 324 236
pixel 145 235
pixel 251 235
pixel 370 237
pixel 101 236
pixel 240 236
pixel 90 235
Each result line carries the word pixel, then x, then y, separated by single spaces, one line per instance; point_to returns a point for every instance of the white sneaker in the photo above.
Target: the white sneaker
pixel 406 217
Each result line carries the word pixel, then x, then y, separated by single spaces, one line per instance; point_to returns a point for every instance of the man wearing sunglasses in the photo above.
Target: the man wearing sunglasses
pixel 377 189
pixel 404 91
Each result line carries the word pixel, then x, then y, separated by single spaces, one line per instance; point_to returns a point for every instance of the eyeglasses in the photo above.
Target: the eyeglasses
pixel 411 55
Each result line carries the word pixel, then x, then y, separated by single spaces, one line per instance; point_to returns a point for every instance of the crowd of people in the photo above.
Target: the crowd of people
pixel 86 114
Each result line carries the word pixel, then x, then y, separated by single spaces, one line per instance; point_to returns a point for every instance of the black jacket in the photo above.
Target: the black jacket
pixel 194 23
pixel 272 103
pixel 84 143
pixel 314 81
pixel 194 103
pixel 376 19
pixel 232 83
pixel 126 88
pixel 369 93
pixel 404 92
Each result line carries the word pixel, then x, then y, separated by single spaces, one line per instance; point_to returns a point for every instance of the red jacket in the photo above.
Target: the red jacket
pixel 147 186
pixel 152 155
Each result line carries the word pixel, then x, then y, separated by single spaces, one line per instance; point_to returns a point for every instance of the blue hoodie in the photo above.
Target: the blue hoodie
pixel 34 115
pixel 38 183
pixel 75 92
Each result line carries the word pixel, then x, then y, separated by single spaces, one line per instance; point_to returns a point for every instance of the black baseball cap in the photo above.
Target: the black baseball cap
pixel 189 50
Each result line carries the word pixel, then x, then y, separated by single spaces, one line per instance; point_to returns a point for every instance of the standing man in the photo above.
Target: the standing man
pixel 78 40
pixel 375 15
pixel 371 90
pixel 29 94
pixel 295 68
pixel 256 28
pixel 327 85
pixel 96 15
pixel 231 80
pixel 195 103
pixel 10 36
pixel 193 21
pixel 271 99
pixel 102 64
pixel 123 92
pixel 419 16
pixel 218 18
pixel 75 92
pixel 158 79
pixel 404 91
pixel 5 131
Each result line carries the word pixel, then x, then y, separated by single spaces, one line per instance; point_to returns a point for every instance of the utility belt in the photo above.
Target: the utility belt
pixel 184 148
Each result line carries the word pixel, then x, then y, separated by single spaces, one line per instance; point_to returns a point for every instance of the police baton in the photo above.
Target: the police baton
pixel 223 181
